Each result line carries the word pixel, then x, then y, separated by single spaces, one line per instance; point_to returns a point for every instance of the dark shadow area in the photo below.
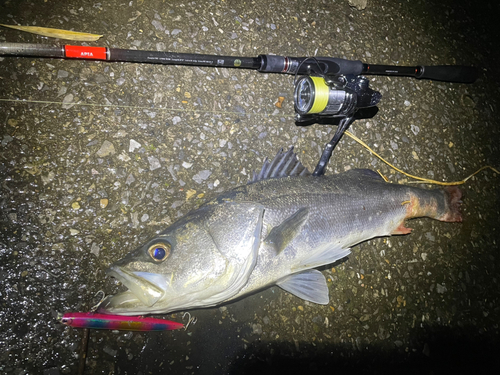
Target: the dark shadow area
pixel 441 350
pixel 430 350
pixel 361 114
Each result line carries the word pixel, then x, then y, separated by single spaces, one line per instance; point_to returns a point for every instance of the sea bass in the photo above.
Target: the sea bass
pixel 273 231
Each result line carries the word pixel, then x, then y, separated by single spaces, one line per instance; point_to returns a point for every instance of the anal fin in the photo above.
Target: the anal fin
pixel 401 230
pixel 309 285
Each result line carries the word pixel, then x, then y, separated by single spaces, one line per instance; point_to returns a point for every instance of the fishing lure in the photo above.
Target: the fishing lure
pixel 117 322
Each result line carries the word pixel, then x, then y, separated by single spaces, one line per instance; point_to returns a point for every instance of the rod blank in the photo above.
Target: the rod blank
pixel 262 63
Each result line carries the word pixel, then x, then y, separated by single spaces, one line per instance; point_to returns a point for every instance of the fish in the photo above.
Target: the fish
pixel 275 230
pixel 117 322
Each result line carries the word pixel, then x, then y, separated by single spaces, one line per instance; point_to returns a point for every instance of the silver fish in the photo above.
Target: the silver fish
pixel 273 231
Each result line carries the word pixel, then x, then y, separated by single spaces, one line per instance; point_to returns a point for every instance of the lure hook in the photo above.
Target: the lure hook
pixel 95 307
pixel 191 320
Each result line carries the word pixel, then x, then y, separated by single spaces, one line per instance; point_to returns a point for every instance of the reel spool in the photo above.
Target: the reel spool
pixel 339 96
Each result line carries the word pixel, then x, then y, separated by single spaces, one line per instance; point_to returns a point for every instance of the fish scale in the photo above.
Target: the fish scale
pixel 350 208
pixel 272 231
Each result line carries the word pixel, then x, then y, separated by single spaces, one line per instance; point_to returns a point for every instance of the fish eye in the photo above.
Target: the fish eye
pixel 159 251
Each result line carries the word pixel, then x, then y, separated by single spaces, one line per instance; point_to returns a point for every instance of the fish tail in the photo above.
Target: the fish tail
pixel 439 204
pixel 453 201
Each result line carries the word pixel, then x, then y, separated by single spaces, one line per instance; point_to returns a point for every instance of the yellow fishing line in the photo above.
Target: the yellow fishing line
pixel 422 180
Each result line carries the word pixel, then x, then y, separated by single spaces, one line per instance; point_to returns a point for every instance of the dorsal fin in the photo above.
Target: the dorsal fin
pixel 366 173
pixel 284 164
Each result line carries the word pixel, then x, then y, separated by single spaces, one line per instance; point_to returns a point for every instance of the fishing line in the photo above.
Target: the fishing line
pixel 183 110
pixel 422 180
pixel 300 66
pixel 337 90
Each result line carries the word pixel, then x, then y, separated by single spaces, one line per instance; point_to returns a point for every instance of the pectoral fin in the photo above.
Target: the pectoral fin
pixel 281 236
pixel 309 285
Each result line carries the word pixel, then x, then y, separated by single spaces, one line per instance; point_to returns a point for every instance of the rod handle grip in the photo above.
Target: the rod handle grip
pixel 304 65
pixel 449 73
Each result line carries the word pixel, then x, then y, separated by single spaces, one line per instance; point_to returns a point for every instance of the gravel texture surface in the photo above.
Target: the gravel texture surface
pixel 97 157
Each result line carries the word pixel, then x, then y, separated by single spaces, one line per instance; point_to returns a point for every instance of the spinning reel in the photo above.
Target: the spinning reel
pixel 321 97
pixel 332 97
pixel 329 88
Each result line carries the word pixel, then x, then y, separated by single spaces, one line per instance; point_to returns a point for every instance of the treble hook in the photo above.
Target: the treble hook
pixel 191 320
pixel 95 307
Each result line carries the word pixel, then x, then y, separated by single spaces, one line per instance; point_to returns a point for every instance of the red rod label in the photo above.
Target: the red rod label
pixel 84 52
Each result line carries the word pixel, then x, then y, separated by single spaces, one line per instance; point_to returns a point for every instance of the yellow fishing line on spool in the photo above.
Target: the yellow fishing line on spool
pixel 321 96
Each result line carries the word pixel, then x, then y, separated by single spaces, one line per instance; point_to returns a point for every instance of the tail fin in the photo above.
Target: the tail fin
pixel 453 196
pixel 440 204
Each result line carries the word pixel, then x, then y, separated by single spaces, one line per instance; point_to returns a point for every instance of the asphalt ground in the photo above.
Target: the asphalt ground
pixel 97 157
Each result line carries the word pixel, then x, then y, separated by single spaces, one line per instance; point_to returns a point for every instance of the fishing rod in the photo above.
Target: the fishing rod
pixel 326 88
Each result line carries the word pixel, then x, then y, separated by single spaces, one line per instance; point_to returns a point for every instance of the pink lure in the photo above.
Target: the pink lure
pixel 118 322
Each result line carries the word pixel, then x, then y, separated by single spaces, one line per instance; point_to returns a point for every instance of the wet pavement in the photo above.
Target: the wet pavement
pixel 97 157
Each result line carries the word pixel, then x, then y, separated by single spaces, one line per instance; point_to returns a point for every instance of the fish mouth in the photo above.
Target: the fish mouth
pixel 144 290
